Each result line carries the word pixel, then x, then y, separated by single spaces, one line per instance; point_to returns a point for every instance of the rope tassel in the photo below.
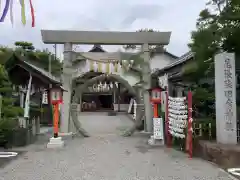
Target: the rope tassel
pixel 32 13
pixel 23 12
pixel 11 11
pixel 5 10
pixel 9 5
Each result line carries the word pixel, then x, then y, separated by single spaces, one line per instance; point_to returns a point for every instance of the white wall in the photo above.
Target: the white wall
pixel 161 60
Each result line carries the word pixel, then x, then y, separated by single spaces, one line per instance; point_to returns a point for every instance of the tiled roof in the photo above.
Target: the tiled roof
pixel 43 72
pixel 97 48
pixel 39 70
pixel 182 59
pixel 179 61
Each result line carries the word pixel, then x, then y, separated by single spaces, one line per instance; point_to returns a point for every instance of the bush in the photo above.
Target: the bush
pixel 7 127
pixel 19 137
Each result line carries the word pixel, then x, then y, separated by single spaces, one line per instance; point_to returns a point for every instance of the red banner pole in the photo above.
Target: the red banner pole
pixel 190 126
pixel 56 119
pixel 167 122
pixel 155 110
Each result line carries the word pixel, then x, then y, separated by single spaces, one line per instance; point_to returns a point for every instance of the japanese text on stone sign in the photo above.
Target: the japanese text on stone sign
pixel 228 92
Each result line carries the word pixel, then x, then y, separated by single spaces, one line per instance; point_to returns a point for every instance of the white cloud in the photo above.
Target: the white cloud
pixel 123 15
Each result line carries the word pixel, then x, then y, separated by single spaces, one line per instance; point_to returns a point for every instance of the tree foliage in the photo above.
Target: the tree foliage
pixel 8 110
pixel 152 48
pixel 27 46
pixel 39 58
pixel 218 29
pixel 138 59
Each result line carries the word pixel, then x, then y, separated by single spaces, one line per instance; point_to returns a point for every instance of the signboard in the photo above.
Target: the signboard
pixel 45 97
pixel 225 91
pixel 158 128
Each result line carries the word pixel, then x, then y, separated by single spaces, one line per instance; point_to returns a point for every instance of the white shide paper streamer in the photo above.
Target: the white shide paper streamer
pixel 178 116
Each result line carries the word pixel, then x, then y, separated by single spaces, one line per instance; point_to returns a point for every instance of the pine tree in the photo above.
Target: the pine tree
pixel 8 109
pixel 9 112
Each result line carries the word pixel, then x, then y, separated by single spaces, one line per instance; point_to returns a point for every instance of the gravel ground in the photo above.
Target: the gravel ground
pixel 108 156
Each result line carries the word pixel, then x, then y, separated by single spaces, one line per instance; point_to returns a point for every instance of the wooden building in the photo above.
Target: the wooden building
pixel 19 70
pixel 175 71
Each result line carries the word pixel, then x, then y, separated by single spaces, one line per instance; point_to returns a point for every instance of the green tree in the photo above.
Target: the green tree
pixel 27 46
pixel 138 60
pixel 218 29
pixel 9 112
pixel 8 109
pixel 152 48
pixel 39 58
pixel 5 54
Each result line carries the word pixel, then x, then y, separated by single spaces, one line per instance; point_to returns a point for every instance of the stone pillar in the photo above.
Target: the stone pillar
pixel 146 87
pixel 225 93
pixel 66 82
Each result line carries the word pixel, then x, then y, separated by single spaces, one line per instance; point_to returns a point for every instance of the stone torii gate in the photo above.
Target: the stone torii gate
pixel 69 38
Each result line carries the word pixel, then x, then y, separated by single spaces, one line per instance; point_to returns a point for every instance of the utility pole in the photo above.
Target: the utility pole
pixel 55 51
pixel 49 62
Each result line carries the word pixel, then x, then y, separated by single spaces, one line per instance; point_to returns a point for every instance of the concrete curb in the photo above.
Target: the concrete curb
pixel 231 176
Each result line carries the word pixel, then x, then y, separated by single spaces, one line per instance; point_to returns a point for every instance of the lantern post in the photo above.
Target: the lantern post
pixel 158 131
pixel 156 100
pixel 56 99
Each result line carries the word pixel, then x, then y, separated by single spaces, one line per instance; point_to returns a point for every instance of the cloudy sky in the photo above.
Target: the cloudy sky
pixel 178 16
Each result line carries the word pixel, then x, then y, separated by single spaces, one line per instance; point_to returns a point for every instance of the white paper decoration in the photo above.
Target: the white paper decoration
pixel 177 116
pixel 163 81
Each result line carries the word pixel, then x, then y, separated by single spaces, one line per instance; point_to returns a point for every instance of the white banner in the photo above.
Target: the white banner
pixel 163 81
pixel 134 109
pixel 45 97
pixel 27 100
pixel 130 105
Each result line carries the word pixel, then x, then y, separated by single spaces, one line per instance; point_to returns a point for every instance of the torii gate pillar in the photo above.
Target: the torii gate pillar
pixel 67 84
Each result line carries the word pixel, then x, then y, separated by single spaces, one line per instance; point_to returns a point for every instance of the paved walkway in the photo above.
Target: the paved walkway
pixel 108 156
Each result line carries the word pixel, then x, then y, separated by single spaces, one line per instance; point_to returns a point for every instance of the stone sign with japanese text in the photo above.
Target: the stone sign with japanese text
pixel 225 93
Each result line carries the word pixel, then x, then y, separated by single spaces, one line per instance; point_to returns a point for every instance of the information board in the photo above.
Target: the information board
pixel 158 128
